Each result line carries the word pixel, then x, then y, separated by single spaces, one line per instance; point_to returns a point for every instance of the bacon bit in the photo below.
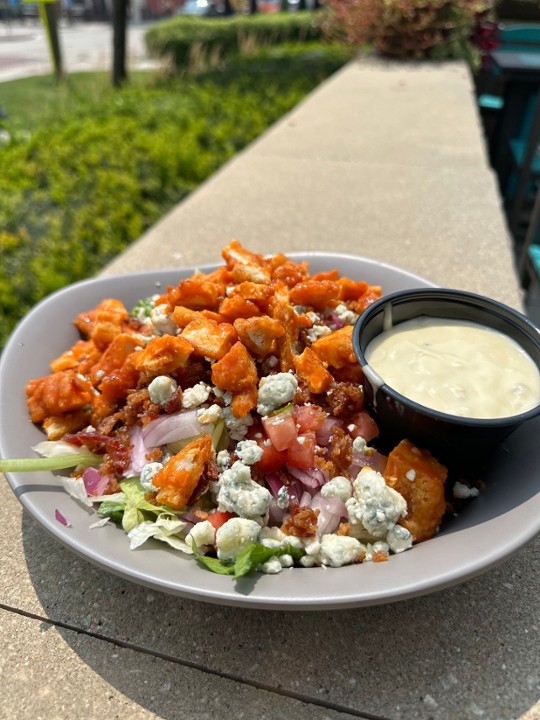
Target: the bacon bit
pixel 302 522
pixel 116 450
pixel 325 465
pixel 341 449
pixel 96 442
pixel 380 556
pixel 154 455
pixel 345 397
pixel 344 528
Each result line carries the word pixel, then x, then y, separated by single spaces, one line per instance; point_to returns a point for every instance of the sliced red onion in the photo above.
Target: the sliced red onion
pixel 336 320
pixel 276 515
pixel 169 428
pixel 189 517
pixel 61 519
pixel 295 490
pixel 312 478
pixel 138 452
pixel 324 433
pixel 94 482
pixel 305 500
pixel 275 482
pixel 331 510
pixel 377 461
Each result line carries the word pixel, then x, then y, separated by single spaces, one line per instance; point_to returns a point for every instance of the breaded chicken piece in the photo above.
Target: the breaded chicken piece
pixel 420 479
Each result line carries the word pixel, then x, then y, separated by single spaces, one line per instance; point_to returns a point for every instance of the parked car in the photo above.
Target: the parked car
pixel 199 7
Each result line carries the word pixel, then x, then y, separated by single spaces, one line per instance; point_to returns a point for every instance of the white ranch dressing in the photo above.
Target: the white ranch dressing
pixel 456 367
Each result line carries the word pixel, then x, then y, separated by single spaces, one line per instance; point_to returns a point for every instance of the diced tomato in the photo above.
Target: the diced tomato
pixel 219 518
pixel 281 429
pixel 308 417
pixel 271 459
pixel 365 426
pixel 302 453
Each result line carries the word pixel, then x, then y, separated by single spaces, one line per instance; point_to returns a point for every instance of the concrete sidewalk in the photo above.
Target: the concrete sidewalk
pixel 85 47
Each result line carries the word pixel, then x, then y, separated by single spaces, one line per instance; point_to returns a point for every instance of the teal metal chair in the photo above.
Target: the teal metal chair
pixel 529 255
pixel 514 38
pixel 508 129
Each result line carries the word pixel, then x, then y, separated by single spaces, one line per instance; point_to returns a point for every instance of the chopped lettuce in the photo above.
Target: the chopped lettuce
pixel 136 504
pixel 75 487
pixel 166 528
pixel 112 509
pixel 251 557
pixel 56 455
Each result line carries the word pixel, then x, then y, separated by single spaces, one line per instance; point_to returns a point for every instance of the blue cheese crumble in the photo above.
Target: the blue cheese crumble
pixel 339 487
pixel 238 493
pixel 276 390
pixel 374 508
pixel 162 389
pixel 249 452
pixel 234 535
pixel 194 396
pixel 147 473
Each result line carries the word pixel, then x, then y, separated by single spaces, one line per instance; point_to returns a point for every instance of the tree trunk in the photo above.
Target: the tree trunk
pixel 50 12
pixel 227 8
pixel 119 20
pixel 302 5
pixel 252 7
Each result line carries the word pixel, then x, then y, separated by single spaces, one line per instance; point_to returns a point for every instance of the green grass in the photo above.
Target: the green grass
pixel 36 101
pixel 88 168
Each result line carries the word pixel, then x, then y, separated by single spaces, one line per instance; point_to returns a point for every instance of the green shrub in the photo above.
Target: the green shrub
pixel 80 189
pixel 187 42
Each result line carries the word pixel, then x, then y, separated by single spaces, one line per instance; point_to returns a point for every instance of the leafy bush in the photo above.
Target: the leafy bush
pixel 406 28
pixel 186 42
pixel 80 189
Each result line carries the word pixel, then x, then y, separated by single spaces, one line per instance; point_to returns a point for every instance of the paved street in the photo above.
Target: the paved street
pixel 85 46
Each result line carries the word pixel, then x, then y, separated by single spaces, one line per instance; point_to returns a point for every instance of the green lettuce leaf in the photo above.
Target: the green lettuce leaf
pixel 136 504
pixel 251 557
pixel 112 509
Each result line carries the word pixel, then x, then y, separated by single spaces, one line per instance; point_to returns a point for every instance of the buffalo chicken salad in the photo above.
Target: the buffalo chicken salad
pixel 225 417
